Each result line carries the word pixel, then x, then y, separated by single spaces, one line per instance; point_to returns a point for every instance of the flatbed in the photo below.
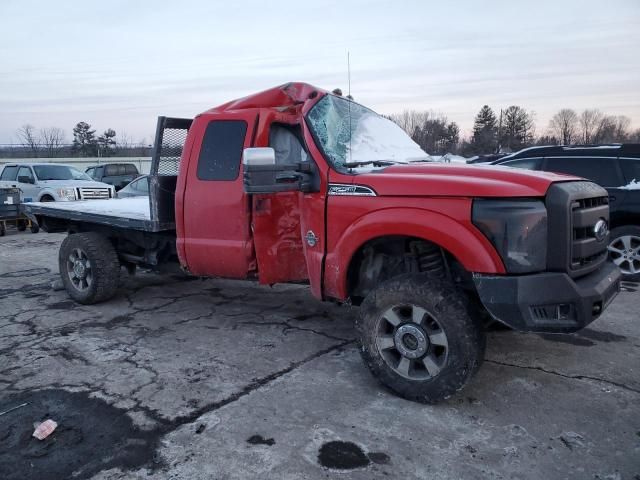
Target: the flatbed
pixel 133 213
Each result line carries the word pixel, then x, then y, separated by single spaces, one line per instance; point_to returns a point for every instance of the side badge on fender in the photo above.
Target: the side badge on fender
pixel 312 240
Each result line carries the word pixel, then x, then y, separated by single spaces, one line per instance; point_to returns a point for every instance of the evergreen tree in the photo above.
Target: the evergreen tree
pixel 106 143
pixel 485 131
pixel 84 141
pixel 517 129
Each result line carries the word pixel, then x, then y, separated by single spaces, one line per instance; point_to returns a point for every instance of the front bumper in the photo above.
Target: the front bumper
pixel 548 302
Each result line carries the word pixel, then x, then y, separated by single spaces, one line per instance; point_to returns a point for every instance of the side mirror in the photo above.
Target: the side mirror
pixel 25 179
pixel 258 156
pixel 263 175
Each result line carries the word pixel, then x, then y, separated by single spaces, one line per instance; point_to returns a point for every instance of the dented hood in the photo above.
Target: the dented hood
pixel 459 180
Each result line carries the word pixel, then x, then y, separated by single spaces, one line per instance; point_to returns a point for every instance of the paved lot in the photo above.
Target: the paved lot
pixel 179 378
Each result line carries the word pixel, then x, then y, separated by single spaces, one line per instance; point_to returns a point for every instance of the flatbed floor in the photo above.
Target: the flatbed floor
pixel 133 213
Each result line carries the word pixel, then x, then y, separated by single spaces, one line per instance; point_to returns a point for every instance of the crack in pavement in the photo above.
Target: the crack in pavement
pixel 564 375
pixel 249 388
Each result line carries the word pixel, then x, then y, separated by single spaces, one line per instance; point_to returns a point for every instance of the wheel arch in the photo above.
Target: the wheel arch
pixel 462 242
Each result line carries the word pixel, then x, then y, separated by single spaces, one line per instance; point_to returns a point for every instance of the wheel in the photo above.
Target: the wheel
pixel 3 229
pixel 418 339
pixel 89 267
pixel 47 198
pixel 21 225
pixel 624 251
pixel 35 228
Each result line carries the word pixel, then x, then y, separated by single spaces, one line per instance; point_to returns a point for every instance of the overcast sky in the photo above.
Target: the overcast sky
pixel 119 64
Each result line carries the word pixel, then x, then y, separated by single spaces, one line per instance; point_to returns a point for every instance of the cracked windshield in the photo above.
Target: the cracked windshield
pixel 352 135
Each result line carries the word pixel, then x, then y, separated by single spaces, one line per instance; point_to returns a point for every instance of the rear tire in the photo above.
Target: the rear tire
pixel 47 198
pixel 624 251
pixel 35 228
pixel 418 338
pixel 89 267
pixel 21 225
pixel 2 229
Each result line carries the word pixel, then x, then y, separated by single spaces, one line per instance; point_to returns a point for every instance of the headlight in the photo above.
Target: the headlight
pixel 518 230
pixel 67 193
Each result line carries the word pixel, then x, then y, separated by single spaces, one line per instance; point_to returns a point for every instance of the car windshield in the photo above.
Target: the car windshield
pixel 59 172
pixel 352 135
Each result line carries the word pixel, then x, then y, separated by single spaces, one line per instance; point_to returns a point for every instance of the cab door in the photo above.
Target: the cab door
pixel 26 183
pixel 217 239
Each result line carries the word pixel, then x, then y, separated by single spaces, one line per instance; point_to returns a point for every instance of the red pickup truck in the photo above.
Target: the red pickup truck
pixel 295 184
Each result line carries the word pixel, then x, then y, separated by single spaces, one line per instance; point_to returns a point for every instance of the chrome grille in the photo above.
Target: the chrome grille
pixel 87 193
pixel 585 248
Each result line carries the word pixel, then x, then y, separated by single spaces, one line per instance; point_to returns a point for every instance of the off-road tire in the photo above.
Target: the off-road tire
pixel 47 198
pixel 449 307
pixel 35 228
pixel 2 229
pixel 104 263
pixel 21 225
pixel 618 232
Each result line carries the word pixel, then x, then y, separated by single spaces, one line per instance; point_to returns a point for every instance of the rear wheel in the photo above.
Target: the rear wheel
pixel 47 198
pixel 21 225
pixel 624 250
pixel 89 267
pixel 35 228
pixel 2 229
pixel 418 338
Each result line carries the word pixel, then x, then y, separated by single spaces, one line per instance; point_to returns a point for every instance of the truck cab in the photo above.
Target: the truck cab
pixel 295 184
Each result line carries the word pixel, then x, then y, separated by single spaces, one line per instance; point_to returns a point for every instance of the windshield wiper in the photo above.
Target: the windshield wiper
pixel 376 163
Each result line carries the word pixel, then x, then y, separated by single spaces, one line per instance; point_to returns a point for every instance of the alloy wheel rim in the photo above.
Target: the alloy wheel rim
pixel 79 270
pixel 412 342
pixel 625 253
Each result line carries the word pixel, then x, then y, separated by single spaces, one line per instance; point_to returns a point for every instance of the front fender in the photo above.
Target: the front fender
pixel 458 236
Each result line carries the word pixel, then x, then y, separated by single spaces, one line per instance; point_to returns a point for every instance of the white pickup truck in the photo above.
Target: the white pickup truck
pixel 49 182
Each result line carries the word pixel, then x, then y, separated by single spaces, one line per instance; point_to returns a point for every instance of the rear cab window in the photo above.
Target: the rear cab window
pixel 221 150
pixel 601 170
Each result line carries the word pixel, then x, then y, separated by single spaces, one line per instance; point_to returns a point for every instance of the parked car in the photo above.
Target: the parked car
pixel 138 188
pixel 616 168
pixel 116 174
pixel 50 182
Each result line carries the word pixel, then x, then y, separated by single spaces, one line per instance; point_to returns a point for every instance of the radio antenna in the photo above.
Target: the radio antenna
pixel 349 100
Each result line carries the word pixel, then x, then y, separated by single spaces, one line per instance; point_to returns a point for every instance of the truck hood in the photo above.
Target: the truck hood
pixel 459 180
pixel 72 183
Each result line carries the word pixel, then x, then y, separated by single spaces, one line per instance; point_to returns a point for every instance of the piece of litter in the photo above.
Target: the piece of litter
pixel 45 429
pixel 200 428
pixel 14 408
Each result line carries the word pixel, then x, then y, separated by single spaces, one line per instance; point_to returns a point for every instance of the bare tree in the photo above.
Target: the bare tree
pixel 28 138
pixel 52 140
pixel 410 120
pixel 589 121
pixel 612 129
pixel 564 125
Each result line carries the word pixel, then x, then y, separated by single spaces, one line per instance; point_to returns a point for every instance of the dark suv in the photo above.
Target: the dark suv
pixel 116 174
pixel 615 167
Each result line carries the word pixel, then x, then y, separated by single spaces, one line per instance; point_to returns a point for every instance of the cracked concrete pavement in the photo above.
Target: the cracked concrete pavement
pixel 190 378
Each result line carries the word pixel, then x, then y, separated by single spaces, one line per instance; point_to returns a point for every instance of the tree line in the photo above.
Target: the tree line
pixel 51 142
pixel 512 129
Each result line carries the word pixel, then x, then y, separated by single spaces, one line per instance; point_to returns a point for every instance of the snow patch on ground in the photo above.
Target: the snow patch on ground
pixel 136 208
pixel 633 185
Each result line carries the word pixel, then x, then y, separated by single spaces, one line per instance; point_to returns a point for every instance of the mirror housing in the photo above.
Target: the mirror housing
pixel 25 179
pixel 263 175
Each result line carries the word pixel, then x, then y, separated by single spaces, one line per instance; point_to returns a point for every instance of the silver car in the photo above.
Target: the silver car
pixel 50 182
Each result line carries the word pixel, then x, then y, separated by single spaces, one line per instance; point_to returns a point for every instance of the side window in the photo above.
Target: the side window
pixel 9 173
pixel 630 169
pixel 221 150
pixel 601 170
pixel 130 170
pixel 143 185
pixel 98 172
pixel 25 172
pixel 286 144
pixel 526 163
pixel 111 170
pixel 89 171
